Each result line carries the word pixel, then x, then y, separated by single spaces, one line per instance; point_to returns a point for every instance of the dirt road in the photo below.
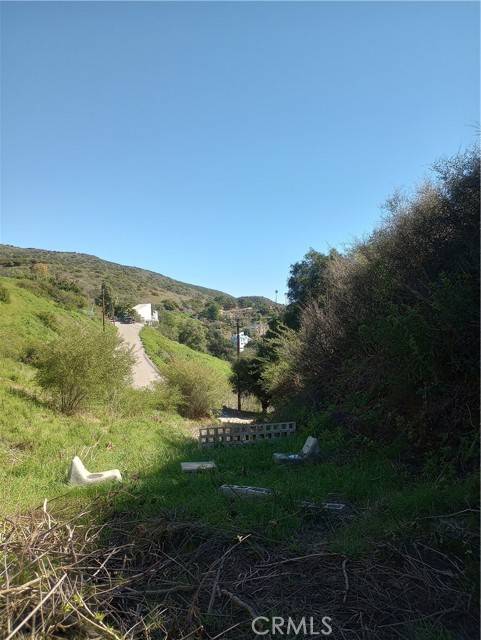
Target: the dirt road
pixel 144 372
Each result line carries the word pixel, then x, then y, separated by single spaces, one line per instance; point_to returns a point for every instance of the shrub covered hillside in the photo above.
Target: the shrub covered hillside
pixel 30 317
pixel 127 283
pixel 89 272
pixel 386 335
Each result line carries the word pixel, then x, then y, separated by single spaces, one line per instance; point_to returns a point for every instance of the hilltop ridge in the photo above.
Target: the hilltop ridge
pixel 88 271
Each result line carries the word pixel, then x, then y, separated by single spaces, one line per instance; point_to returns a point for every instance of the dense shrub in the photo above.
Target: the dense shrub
pixel 81 367
pixel 169 324
pixel 166 397
pixel 64 292
pixel 218 345
pixel 192 333
pixel 201 388
pixel 4 294
pixel 394 332
pixel 247 378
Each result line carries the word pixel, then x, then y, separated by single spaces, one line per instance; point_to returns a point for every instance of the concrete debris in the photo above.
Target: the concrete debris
pixel 193 467
pixel 234 491
pixel 310 451
pixel 78 475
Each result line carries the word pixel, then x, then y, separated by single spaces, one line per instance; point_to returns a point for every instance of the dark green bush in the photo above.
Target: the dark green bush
pixel 392 326
pixel 192 333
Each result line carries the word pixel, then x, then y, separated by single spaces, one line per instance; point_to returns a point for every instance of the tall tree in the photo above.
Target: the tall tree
pixel 307 282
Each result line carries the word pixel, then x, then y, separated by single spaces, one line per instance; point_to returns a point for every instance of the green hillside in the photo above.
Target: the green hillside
pixel 133 283
pixel 160 349
pixel 37 441
pixel 29 318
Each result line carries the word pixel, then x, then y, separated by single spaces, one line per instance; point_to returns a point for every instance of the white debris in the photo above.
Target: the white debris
pixel 334 506
pixel 310 448
pixel 233 490
pixel 193 467
pixel 78 474
pixel 289 458
pixel 309 451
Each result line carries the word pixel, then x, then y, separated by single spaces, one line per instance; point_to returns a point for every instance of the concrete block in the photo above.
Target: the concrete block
pixel 288 458
pixel 334 506
pixel 311 448
pixel 236 491
pixel 78 474
pixel 193 467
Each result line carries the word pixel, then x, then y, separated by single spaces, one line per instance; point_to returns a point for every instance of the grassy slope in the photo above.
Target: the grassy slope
pixel 160 348
pixel 21 319
pixel 37 445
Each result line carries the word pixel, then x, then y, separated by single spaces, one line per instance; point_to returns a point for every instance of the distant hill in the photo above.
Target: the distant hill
pixel 128 282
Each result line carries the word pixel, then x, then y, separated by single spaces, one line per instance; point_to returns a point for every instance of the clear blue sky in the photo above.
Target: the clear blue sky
pixel 217 142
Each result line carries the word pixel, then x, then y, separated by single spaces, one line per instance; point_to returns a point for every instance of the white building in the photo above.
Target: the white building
pixel 146 313
pixel 243 340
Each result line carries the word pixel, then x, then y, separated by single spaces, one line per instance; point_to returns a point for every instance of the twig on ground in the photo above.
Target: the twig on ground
pixel 346 579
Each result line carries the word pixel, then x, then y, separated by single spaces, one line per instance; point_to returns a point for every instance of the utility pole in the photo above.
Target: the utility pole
pixel 103 306
pixel 238 358
pixel 276 295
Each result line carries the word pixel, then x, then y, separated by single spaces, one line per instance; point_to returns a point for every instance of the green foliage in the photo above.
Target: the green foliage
pixel 217 344
pixel 262 306
pixel 391 328
pixel 129 402
pixel 307 282
pixel 170 323
pixel 31 319
pixel 105 299
pixel 63 292
pixel 129 284
pixel 79 368
pixel 193 335
pixel 161 350
pixel 167 397
pixel 4 294
pixel 202 390
pixel 143 442
pixel 168 305
pixel 211 311
pixel 49 319
pixel 247 377
pixel 266 369
pixel 225 301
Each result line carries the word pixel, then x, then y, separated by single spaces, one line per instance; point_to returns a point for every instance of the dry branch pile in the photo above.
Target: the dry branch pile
pixel 170 579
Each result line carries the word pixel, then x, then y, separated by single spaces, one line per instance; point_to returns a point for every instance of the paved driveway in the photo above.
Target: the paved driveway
pixel 144 372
